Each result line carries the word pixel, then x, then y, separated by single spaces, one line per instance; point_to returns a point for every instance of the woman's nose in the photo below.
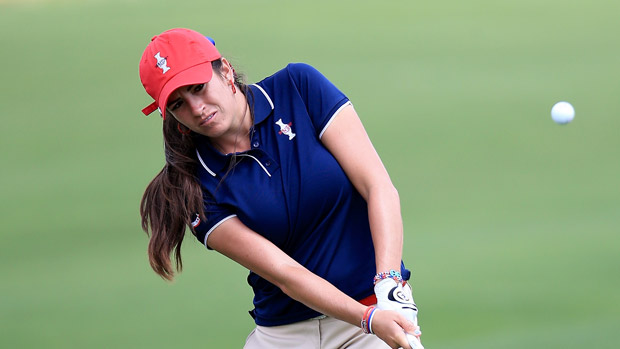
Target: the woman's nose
pixel 196 105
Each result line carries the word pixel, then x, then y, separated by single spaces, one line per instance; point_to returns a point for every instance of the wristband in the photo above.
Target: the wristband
pixel 392 274
pixel 372 313
pixel 366 323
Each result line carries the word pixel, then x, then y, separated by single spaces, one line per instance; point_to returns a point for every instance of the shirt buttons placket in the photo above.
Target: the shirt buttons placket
pixel 255 144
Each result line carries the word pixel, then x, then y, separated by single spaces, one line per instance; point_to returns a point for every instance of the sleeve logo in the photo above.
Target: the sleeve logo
pixel 196 222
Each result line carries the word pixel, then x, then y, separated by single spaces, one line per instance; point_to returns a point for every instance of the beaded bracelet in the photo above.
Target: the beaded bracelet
pixel 392 274
pixel 366 323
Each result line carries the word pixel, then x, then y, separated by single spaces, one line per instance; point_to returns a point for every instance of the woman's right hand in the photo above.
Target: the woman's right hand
pixel 391 326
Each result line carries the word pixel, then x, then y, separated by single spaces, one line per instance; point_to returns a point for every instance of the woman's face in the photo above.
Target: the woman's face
pixel 210 109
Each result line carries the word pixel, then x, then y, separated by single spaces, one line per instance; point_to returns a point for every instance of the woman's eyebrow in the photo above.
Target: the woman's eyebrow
pixel 189 87
pixel 172 102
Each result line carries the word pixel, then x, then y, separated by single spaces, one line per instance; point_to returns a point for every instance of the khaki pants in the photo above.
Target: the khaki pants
pixel 317 333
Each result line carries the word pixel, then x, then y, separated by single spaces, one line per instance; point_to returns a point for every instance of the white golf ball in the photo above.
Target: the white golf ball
pixel 562 113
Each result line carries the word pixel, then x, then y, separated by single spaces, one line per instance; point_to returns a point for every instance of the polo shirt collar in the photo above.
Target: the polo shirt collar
pixel 211 159
pixel 260 100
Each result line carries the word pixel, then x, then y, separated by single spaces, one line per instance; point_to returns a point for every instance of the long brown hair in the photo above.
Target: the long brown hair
pixel 174 197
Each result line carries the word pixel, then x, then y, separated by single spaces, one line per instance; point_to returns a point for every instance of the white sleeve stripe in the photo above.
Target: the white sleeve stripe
pixel 266 95
pixel 333 116
pixel 215 226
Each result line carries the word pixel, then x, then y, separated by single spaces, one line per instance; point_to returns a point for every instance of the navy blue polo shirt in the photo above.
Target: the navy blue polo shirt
pixel 290 189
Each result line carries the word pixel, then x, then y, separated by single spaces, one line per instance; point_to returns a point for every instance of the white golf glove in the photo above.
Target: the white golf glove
pixel 392 295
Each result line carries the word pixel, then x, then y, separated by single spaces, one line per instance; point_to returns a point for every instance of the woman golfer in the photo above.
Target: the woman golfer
pixel 279 176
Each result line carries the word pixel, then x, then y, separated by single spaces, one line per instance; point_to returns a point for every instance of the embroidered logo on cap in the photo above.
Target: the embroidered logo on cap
pixel 162 63
pixel 286 129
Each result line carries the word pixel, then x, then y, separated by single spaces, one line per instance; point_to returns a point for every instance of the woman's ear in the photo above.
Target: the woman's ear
pixel 227 70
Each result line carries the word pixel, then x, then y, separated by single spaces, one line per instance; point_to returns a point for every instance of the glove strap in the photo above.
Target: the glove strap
pixel 392 274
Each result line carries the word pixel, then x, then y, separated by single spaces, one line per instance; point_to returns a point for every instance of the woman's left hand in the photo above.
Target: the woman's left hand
pixel 392 295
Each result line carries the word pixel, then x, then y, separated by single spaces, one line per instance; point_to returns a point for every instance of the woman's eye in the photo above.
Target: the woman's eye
pixel 199 87
pixel 176 105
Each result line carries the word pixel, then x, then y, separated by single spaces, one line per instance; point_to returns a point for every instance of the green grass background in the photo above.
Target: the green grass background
pixel 512 222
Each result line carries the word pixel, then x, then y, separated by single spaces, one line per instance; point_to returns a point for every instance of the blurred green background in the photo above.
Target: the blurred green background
pixel 512 222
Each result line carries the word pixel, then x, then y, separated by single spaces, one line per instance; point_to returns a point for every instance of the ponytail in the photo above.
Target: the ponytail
pixel 170 200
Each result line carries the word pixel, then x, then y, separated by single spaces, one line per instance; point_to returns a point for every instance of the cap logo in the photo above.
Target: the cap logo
pixel 162 63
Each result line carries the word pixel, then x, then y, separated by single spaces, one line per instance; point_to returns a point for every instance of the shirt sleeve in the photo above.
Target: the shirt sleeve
pixel 214 216
pixel 322 98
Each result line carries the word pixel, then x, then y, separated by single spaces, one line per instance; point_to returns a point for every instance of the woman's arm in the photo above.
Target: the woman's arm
pixel 348 141
pixel 241 244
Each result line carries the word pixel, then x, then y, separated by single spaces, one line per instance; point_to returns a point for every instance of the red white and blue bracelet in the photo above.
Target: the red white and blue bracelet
pixel 392 274
pixel 366 323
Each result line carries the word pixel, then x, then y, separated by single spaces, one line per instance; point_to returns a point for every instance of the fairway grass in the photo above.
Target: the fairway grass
pixel 511 221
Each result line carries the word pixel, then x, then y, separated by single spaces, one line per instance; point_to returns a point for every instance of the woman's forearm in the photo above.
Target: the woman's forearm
pixel 386 226
pixel 256 253
pixel 320 295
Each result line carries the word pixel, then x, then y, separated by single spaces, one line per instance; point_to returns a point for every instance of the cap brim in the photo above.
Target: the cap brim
pixel 198 74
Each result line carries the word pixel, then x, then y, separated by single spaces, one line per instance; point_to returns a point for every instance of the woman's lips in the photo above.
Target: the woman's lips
pixel 207 119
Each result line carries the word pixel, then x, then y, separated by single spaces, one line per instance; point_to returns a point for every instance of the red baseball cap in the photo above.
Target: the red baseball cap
pixel 177 57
